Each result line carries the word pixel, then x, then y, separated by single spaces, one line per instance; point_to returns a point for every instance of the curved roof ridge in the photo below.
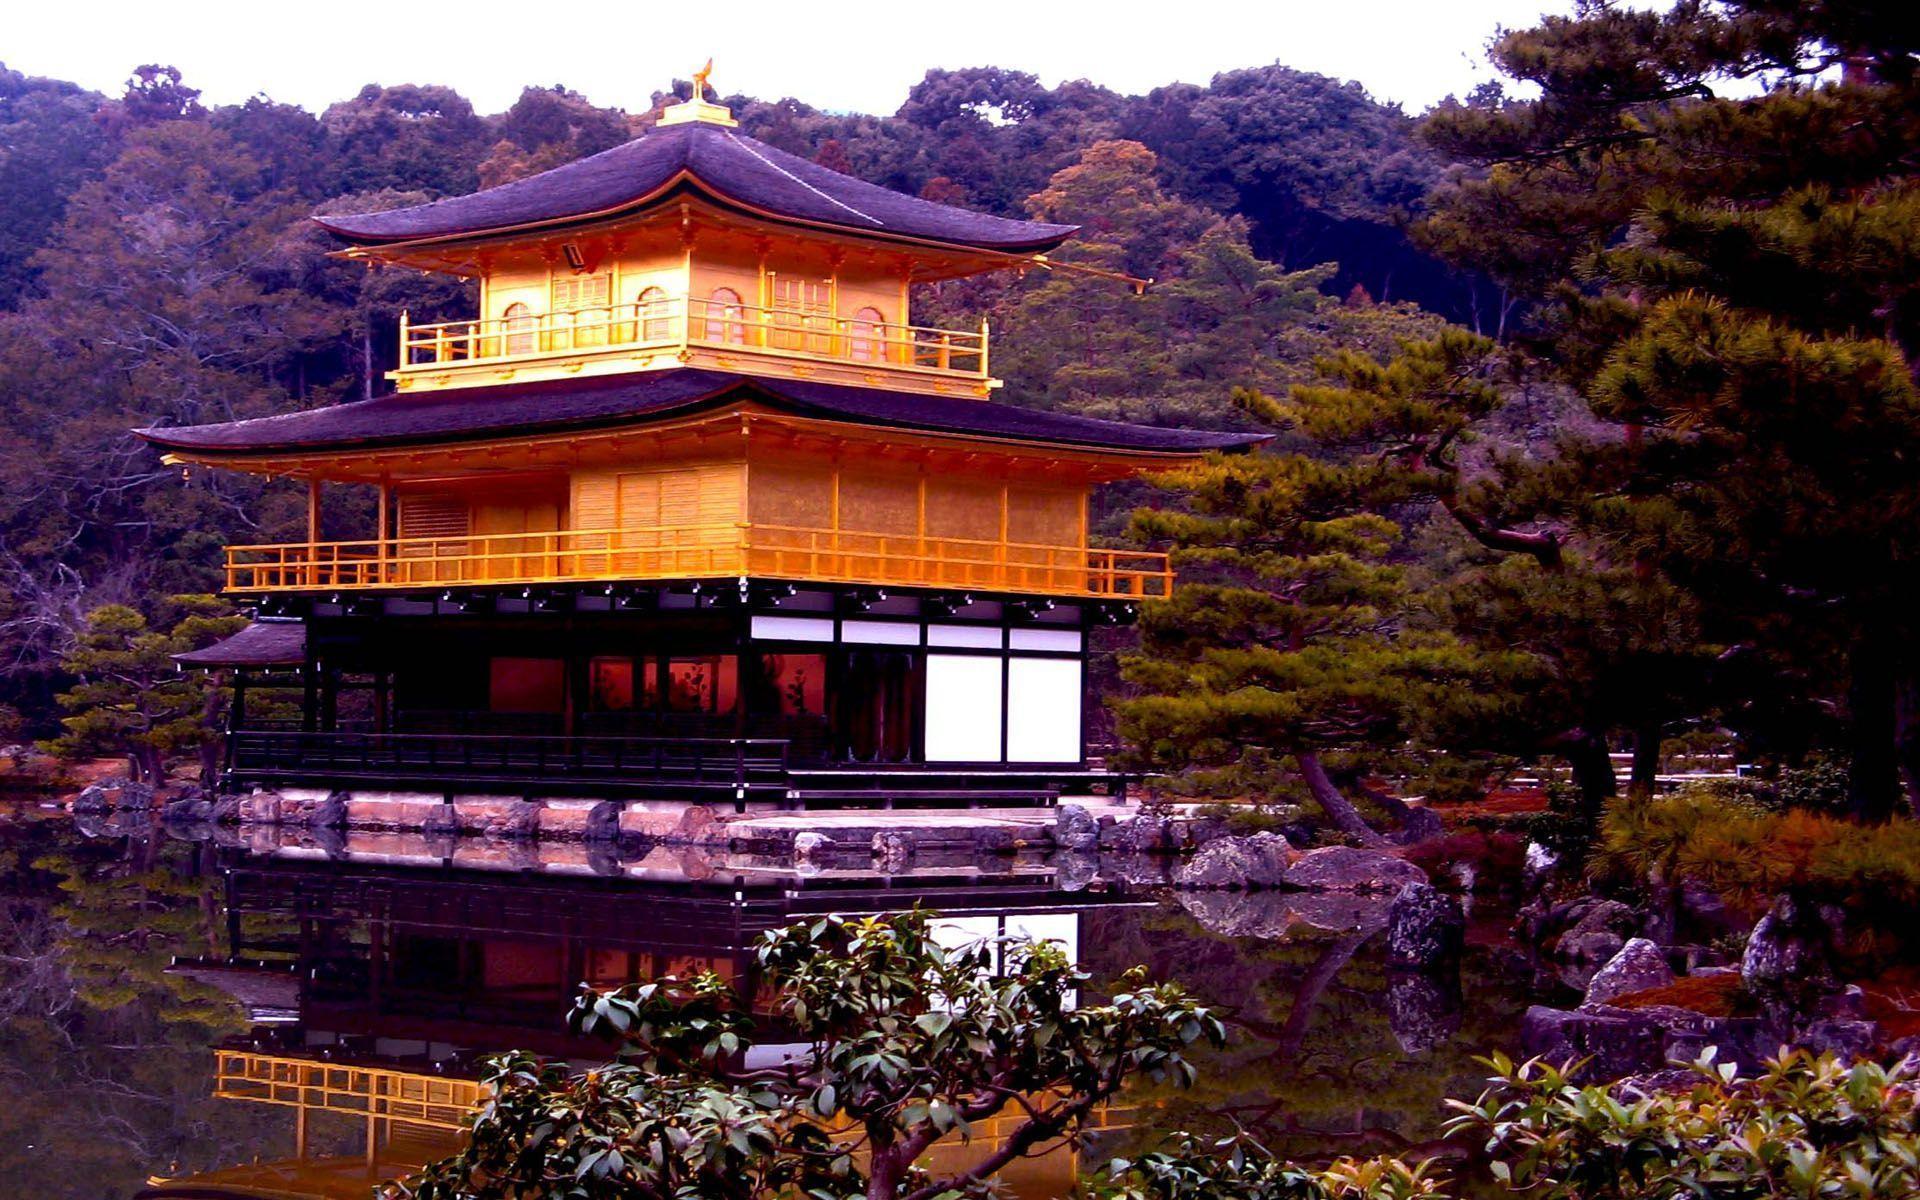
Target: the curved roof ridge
pixel 732 167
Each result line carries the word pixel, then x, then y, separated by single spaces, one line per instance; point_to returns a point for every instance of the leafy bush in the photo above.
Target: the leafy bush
pixel 1806 1126
pixel 1239 1168
pixel 1819 786
pixel 901 1042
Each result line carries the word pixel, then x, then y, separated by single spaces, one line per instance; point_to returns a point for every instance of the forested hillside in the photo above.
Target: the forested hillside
pixel 156 267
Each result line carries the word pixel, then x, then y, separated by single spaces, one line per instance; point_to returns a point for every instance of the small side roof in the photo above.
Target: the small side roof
pixel 261 644
pixel 472 414
pixel 725 165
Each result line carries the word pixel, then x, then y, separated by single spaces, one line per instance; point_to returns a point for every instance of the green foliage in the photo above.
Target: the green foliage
pixel 1749 850
pixel 1804 1126
pixel 130 697
pixel 903 1042
pixel 1297 632
pixel 1818 786
pixel 1721 228
pixel 1239 1168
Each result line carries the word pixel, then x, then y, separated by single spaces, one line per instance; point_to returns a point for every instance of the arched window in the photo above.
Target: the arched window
pixel 725 321
pixel 519 326
pixel 866 340
pixel 656 324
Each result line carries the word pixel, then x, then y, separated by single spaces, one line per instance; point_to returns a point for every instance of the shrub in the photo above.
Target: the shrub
pixel 1749 853
pixel 1805 1126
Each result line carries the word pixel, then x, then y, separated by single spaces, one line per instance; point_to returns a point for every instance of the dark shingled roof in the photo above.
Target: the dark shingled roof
pixel 261 644
pixel 723 163
pixel 465 414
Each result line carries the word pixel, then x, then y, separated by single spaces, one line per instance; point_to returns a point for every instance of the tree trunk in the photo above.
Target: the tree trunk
pixel 1592 773
pixel 1906 738
pixel 1646 758
pixel 1338 808
pixel 884 1173
pixel 1872 693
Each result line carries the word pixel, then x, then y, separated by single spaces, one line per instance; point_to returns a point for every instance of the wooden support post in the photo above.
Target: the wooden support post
pixel 382 519
pixel 313 531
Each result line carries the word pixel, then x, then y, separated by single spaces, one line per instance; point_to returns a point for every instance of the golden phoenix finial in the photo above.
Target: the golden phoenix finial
pixel 700 80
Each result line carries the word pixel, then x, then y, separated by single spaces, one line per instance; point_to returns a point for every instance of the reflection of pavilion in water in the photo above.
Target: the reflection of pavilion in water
pixel 400 981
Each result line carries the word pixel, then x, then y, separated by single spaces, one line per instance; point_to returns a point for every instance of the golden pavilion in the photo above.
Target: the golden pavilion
pixel 691 507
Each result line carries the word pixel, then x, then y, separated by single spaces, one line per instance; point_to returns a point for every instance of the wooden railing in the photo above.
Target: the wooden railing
pixel 361 1091
pixel 700 552
pixel 681 321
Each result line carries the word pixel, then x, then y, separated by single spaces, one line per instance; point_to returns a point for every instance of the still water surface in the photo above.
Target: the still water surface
pixel 181 1017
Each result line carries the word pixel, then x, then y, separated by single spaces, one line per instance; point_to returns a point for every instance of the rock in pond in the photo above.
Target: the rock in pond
pixel 1273 914
pixel 1425 927
pixel 1075 829
pixel 1232 863
pixel 1347 869
pixel 1638 966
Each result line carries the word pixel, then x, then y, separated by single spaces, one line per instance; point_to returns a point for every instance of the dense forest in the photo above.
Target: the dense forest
pixel 1594 402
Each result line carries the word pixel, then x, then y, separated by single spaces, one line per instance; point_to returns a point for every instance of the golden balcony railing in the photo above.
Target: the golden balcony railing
pixel 700 552
pixel 681 322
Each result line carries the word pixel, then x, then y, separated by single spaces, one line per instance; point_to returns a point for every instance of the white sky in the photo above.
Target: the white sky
pixel 857 56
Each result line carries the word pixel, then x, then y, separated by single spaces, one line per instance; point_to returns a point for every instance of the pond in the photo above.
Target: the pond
pixel 187 1017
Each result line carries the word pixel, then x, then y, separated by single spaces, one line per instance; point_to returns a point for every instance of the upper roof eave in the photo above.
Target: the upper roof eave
pixel 730 167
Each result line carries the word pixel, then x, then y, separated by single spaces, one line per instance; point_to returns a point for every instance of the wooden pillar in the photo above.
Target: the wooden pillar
pixel 310 689
pixel 382 519
pixel 313 531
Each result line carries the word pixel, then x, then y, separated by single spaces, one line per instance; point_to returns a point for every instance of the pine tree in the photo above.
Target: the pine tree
pixel 1298 634
pixel 130 697
pixel 1717 203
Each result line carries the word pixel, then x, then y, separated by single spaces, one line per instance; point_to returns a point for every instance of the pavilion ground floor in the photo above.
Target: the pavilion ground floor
pixel 723 691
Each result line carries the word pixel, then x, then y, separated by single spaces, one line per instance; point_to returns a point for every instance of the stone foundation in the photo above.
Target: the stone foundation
pixel 897 837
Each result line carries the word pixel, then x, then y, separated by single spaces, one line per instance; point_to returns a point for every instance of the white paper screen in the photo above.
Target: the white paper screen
pixel 1043 710
pixel 963 708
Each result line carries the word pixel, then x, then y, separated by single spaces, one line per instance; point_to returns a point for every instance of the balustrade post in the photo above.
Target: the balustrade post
pixel 406 322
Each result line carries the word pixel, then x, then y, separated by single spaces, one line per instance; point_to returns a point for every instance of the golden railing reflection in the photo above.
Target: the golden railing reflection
pixel 412 1117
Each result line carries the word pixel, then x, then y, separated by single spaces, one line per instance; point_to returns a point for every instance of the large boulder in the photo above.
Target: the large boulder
pixel 603 822
pixel 1075 829
pixel 1425 927
pixel 1144 834
pixel 1348 869
pixel 135 795
pixel 1788 964
pixel 92 799
pixel 1638 966
pixel 1596 931
pixel 1259 861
